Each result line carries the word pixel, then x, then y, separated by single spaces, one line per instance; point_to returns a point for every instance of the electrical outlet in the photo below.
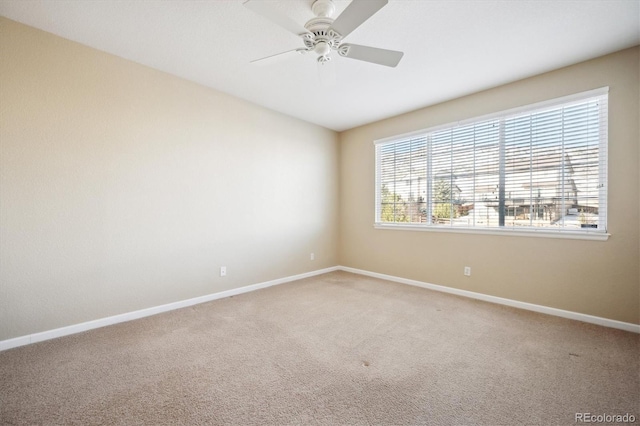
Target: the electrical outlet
pixel 467 271
pixel 223 271
pixel 312 256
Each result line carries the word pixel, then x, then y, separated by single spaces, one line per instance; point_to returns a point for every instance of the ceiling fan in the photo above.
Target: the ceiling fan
pixel 323 34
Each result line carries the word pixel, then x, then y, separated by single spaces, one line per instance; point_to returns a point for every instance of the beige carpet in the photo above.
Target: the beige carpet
pixel 334 349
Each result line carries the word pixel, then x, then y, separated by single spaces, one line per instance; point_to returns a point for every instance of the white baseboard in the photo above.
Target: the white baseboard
pixel 102 322
pixel 635 328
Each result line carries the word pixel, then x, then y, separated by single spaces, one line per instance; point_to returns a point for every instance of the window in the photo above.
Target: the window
pixel 536 169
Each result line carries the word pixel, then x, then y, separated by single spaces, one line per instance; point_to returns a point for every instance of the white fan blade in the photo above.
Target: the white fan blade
pixel 355 14
pixel 266 10
pixel 278 56
pixel 389 58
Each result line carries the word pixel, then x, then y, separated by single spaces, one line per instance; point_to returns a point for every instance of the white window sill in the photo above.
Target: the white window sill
pixel 544 233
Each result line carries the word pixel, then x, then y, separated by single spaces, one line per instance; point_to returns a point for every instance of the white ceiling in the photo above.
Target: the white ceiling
pixel 452 48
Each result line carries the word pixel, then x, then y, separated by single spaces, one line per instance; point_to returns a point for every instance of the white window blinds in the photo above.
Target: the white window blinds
pixel 540 167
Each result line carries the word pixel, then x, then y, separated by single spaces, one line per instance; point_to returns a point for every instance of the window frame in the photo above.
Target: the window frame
pixel 599 234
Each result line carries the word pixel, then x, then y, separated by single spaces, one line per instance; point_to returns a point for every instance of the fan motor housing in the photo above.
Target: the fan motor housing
pixel 319 32
pixel 321 23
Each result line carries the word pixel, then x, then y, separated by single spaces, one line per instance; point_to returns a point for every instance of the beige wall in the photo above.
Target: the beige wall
pixel 122 187
pixel 591 277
